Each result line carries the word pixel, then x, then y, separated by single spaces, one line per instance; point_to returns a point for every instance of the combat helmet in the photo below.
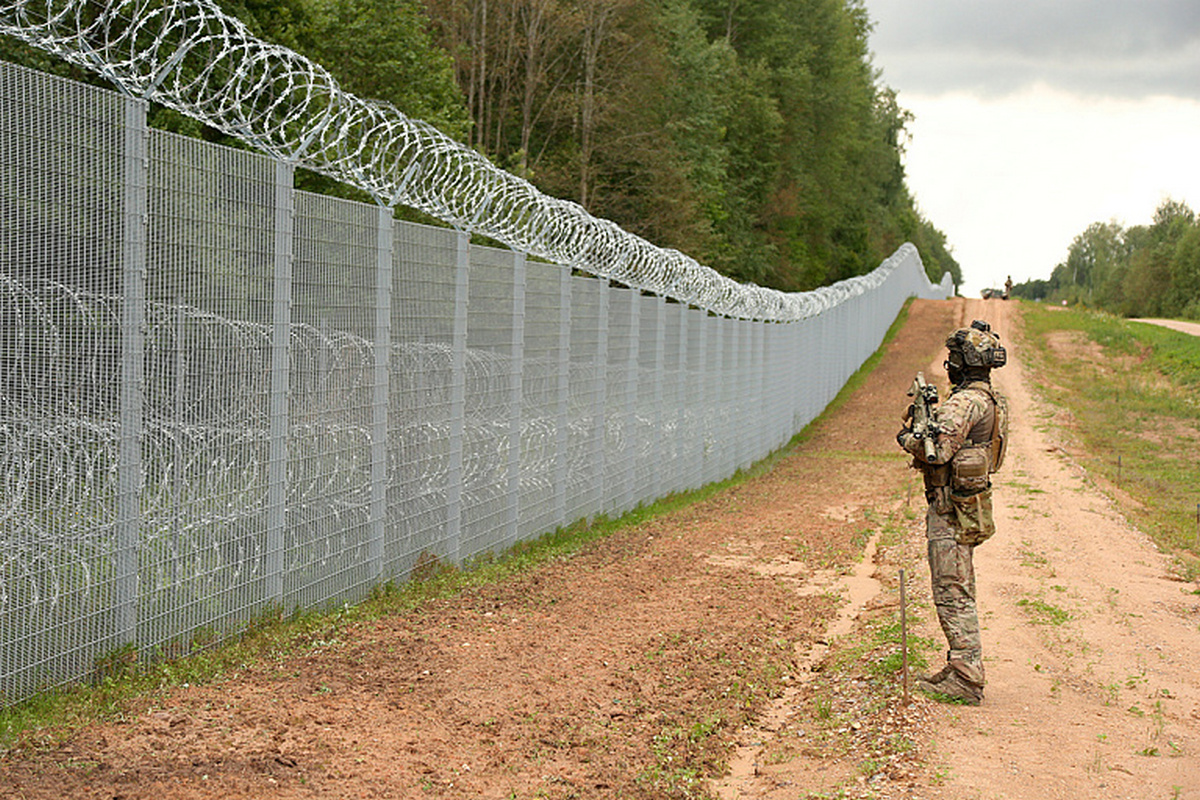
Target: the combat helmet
pixel 976 347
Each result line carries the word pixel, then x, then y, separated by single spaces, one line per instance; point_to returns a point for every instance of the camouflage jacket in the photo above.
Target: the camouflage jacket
pixel 966 417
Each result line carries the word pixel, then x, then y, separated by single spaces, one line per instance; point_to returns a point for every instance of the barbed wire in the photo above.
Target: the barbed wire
pixel 205 439
pixel 190 56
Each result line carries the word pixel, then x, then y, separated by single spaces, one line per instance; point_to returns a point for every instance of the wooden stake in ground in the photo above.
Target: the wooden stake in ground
pixel 903 640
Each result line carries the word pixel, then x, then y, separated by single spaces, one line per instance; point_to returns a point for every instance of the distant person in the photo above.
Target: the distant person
pixel 969 434
pixel 1008 288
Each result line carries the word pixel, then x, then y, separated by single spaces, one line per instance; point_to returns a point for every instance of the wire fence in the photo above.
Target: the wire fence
pixel 221 396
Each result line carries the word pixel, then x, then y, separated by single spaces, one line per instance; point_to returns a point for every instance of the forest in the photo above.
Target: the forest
pixel 1142 271
pixel 757 138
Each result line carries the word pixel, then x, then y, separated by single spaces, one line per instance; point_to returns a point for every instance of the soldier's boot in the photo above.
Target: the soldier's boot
pixel 938 676
pixel 952 684
pixel 963 666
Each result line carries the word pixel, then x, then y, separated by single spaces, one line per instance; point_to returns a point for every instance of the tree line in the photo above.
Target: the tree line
pixel 756 137
pixel 1142 271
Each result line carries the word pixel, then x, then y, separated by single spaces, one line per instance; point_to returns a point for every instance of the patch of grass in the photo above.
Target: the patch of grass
pixel 870 766
pixel 1042 613
pixel 1030 557
pixel 885 655
pixel 1133 394
pixel 669 777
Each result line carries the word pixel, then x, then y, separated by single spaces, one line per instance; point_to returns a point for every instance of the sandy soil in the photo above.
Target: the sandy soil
pixel 719 651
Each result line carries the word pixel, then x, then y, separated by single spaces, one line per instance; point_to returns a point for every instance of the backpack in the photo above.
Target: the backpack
pixel 999 444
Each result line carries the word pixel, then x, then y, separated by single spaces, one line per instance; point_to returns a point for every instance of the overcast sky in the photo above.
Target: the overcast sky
pixel 1035 118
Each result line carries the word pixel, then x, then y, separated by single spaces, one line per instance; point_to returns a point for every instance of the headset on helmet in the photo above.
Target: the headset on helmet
pixel 976 346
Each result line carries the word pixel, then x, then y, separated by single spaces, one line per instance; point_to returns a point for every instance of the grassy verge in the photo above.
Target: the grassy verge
pixel 127 684
pixel 1132 391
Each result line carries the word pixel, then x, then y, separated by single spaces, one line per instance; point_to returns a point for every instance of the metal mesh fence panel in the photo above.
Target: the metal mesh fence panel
pixel 207 381
pixel 647 429
pixel 492 418
pixel 587 408
pixel 421 398
pixel 219 396
pixel 62 208
pixel 543 395
pixel 672 435
pixel 696 404
pixel 620 405
pixel 330 377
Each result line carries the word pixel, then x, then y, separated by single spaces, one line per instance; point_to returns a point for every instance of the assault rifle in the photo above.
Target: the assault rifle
pixel 925 397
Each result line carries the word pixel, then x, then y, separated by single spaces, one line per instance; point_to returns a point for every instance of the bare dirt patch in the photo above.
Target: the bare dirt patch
pixel 734 633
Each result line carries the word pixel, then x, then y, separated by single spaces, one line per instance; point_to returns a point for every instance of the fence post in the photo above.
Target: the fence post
pixel 730 397
pixel 735 397
pixel 384 253
pixel 599 400
pixel 281 320
pixel 715 394
pixel 458 398
pixel 630 423
pixel 658 422
pixel 699 396
pixel 564 396
pixel 516 374
pixel 133 378
pixel 743 431
pixel 758 371
pixel 796 390
pixel 682 401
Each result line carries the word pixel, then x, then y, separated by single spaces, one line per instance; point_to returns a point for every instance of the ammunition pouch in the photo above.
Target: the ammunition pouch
pixel 936 475
pixel 937 485
pixel 969 469
pixel 973 513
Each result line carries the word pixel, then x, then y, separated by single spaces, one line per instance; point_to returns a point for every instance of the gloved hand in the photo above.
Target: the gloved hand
pixel 903 437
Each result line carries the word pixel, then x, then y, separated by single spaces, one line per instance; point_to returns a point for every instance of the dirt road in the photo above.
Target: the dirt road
pixel 1091 648
pixel 732 648
pixel 1176 325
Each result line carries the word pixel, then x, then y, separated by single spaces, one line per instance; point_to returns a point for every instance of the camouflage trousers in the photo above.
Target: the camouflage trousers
pixel 953 576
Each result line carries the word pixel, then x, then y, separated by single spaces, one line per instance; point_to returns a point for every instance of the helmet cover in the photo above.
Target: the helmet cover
pixel 976 346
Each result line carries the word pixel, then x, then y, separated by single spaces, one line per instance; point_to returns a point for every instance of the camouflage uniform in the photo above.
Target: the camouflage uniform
pixel 959 516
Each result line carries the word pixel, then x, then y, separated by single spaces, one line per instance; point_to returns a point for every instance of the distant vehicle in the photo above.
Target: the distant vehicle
pixel 998 294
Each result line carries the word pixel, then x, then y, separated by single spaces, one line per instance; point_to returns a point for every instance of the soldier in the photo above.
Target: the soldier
pixel 969 434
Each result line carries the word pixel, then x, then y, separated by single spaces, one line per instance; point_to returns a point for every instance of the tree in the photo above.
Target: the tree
pixel 1095 258
pixel 755 137
pixel 382 50
pixel 1032 290
pixel 1146 270
pixel 1147 286
pixel 1184 293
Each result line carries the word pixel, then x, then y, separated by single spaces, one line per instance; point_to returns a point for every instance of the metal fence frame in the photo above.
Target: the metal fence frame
pixel 220 395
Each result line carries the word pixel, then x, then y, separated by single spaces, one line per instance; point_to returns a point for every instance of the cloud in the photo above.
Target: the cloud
pixel 1012 180
pixel 1112 48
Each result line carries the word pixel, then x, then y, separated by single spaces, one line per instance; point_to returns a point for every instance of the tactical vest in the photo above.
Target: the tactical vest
pixel 970 495
pixel 983 452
